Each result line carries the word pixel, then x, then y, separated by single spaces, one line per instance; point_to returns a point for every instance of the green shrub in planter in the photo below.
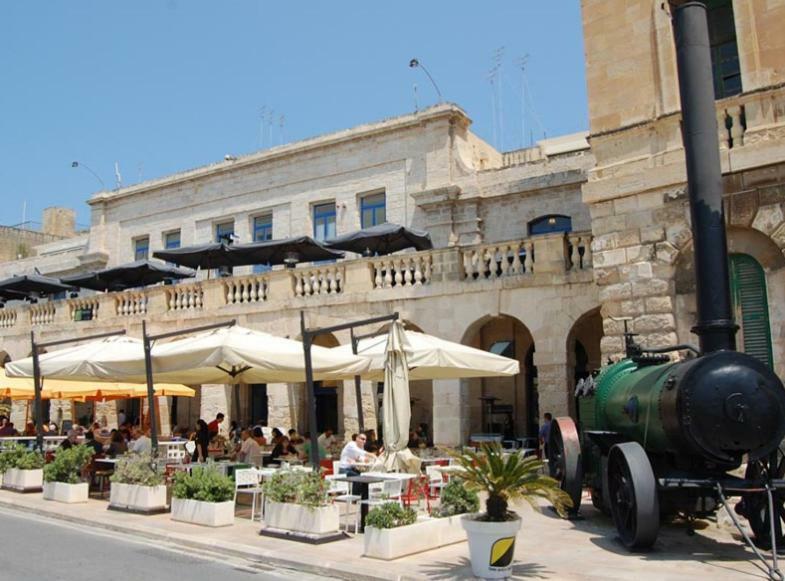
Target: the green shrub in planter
pixel 205 484
pixel 390 515
pixel 297 487
pixel 68 464
pixel 20 457
pixel 137 469
pixel 457 499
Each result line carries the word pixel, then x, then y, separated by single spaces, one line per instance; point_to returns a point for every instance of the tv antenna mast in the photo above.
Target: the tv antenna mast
pixel 522 62
pixel 495 77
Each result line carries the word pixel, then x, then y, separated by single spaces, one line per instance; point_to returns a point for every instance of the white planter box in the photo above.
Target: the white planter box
pixel 137 498
pixel 302 519
pixel 199 512
pixel 64 492
pixel 23 480
pixel 424 535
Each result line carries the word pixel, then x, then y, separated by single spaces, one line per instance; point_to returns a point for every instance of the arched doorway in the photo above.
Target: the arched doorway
pixel 504 405
pixel 583 353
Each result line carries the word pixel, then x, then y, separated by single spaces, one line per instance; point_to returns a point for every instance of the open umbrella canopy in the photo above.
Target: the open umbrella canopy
pixel 225 355
pixel 131 275
pixel 212 255
pixel 33 284
pixel 289 251
pixel 22 388
pixel 430 357
pixel 382 239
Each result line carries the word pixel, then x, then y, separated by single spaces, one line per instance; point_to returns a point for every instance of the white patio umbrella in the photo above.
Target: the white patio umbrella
pixel 396 407
pixel 430 357
pixel 224 355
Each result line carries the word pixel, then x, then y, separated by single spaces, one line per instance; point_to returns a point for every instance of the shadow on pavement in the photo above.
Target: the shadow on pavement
pixel 463 570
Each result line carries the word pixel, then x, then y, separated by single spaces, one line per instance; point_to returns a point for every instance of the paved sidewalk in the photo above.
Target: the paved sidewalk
pixel 547 547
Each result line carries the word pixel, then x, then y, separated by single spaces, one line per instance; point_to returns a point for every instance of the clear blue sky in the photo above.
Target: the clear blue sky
pixel 165 85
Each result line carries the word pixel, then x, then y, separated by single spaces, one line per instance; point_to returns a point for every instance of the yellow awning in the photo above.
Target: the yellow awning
pixel 22 388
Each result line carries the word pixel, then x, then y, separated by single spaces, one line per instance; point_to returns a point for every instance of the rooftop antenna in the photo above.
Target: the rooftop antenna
pixel 270 116
pixel 281 121
pixel 24 212
pixel 140 170
pixel 521 62
pixel 118 178
pixel 416 106
pixel 415 63
pixel 262 114
pixel 494 77
pixel 498 57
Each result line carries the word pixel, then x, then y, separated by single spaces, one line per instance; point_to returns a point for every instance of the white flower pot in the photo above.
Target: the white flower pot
pixel 65 492
pixel 199 512
pixel 302 519
pixel 23 480
pixel 138 498
pixel 491 546
pixel 423 535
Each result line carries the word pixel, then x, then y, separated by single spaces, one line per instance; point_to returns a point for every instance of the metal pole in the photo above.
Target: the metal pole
pixel 39 408
pixel 310 397
pixel 358 393
pixel 715 326
pixel 148 368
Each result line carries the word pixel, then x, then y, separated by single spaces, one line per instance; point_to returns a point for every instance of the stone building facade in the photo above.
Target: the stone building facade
pixel 510 271
pixel 636 193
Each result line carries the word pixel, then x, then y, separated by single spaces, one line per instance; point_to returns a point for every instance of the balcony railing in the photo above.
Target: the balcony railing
pixel 548 258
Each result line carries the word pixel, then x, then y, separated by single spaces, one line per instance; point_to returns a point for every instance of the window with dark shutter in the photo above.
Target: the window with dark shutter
pixel 751 307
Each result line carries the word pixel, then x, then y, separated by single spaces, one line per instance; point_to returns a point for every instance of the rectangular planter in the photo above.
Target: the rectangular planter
pixel 199 512
pixel 23 480
pixel 302 519
pixel 137 498
pixel 424 535
pixel 64 492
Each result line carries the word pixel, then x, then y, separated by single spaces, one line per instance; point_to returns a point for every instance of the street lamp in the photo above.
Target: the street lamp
pixel 77 164
pixel 414 63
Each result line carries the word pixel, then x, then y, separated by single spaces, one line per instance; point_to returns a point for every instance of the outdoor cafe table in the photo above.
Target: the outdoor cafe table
pixel 363 481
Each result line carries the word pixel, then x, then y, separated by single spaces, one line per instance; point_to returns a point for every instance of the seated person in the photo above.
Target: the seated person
pixel 117 445
pixel 70 441
pixel 352 453
pixel 305 452
pixel 90 441
pixel 248 451
pixel 283 448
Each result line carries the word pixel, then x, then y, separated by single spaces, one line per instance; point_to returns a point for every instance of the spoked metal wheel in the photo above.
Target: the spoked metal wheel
pixel 633 495
pixel 564 459
pixel 754 506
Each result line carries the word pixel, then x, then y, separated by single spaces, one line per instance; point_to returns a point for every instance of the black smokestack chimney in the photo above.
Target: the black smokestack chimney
pixel 715 325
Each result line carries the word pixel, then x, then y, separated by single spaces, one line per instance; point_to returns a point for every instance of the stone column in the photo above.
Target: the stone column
pixel 283 404
pixel 553 388
pixel 216 398
pixel 451 413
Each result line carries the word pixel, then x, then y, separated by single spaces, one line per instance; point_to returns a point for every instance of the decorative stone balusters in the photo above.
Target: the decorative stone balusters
pixel 321 280
pixel 249 289
pixel 7 318
pixel 83 309
pixel 42 314
pixel 579 249
pixel 185 297
pixel 403 270
pixel 129 304
pixel 499 260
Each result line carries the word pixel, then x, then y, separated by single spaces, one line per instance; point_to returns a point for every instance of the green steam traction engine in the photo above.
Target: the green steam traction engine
pixel 667 438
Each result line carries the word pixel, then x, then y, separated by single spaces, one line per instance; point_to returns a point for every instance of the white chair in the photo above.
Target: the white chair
pixel 175 453
pixel 435 480
pixel 390 490
pixel 341 492
pixel 336 467
pixel 246 481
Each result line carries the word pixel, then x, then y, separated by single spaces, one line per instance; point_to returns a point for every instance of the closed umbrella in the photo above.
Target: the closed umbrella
pixel 430 357
pixel 131 275
pixel 289 251
pixel 381 239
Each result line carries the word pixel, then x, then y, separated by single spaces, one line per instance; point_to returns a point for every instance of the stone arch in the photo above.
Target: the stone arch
pixel 583 351
pixel 515 412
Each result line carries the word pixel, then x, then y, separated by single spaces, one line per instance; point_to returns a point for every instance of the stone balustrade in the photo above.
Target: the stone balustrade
pixel 131 303
pixel 245 289
pixel 404 270
pixel 545 259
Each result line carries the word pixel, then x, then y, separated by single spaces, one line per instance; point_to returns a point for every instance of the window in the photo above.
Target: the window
pixel 224 231
pixel 372 210
pixel 724 50
pixel 503 348
pixel 172 240
pixel 324 221
pixel 550 223
pixel 751 307
pixel 142 248
pixel 262 231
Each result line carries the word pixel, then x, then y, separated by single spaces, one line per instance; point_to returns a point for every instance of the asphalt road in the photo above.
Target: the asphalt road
pixel 40 549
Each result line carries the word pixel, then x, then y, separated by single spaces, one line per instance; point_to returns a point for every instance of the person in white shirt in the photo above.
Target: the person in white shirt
pixel 249 450
pixel 352 453
pixel 141 444
pixel 327 439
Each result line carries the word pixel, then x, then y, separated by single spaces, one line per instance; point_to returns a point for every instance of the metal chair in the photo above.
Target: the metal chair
pixel 341 492
pixel 246 481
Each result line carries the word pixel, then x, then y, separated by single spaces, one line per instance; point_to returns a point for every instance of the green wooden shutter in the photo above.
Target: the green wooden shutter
pixel 748 287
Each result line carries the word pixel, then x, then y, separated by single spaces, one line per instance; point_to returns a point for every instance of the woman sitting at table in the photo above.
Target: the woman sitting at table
pixel 283 448
pixel 117 445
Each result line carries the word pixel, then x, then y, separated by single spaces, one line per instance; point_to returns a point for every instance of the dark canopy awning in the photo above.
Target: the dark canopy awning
pixel 288 251
pixel 131 275
pixel 33 284
pixel 212 255
pixel 382 239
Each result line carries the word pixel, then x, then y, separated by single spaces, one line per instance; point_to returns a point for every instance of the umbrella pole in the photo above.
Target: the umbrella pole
pixel 148 367
pixel 310 399
pixel 39 408
pixel 358 392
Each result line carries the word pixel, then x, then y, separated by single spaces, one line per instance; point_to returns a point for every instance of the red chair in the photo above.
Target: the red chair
pixel 326 467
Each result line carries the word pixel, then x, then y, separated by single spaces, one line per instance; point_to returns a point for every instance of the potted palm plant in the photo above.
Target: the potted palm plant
pixel 491 534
